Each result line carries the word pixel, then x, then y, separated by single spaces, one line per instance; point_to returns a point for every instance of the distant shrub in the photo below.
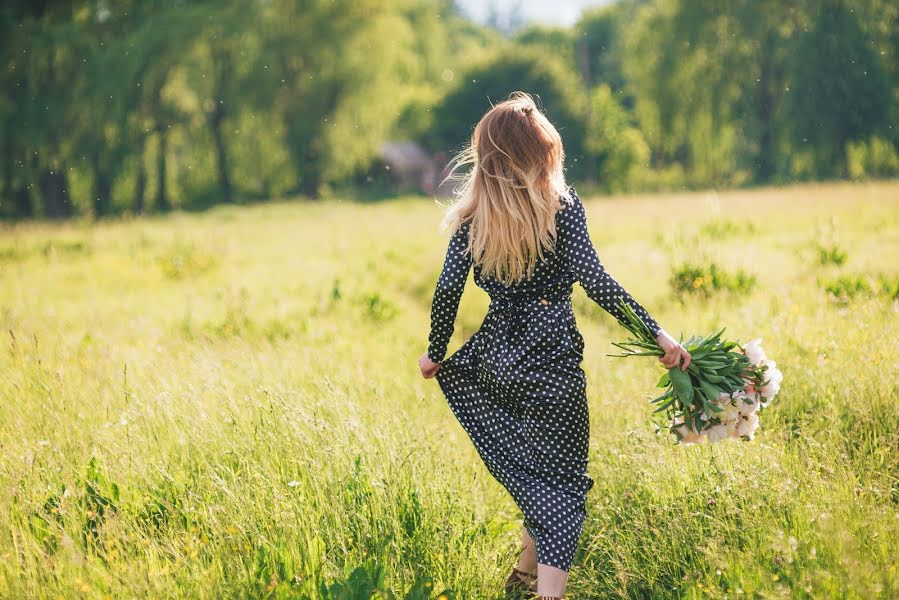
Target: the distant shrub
pixel 663 179
pixel 11 254
pixel 706 280
pixel 183 261
pixel 335 291
pixel 831 254
pixel 377 308
pixel 57 248
pixel 874 157
pixel 721 228
pixel 49 249
pixel 846 288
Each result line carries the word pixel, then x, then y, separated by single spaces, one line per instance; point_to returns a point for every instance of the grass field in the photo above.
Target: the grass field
pixel 228 405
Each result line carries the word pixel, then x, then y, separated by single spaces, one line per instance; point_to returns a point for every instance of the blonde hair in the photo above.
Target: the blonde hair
pixel 513 190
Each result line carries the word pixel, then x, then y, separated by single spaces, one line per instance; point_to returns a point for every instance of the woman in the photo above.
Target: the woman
pixel 516 385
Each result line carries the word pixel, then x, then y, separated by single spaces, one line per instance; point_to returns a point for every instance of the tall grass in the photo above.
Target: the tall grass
pixel 228 405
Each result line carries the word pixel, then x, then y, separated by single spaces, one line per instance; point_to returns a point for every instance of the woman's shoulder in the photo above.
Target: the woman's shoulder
pixel 571 207
pixel 459 234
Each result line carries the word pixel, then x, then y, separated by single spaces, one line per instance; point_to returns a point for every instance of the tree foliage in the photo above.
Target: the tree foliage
pixel 114 106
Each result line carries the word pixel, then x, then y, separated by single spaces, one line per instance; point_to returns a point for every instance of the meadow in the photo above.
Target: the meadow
pixel 228 404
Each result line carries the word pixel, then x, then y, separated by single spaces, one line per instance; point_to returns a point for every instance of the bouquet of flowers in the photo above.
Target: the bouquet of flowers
pixel 720 394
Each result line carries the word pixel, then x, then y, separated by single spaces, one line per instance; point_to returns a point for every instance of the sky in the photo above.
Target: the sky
pixel 547 12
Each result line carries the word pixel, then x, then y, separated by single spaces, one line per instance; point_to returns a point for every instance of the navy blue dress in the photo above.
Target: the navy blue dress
pixel 516 385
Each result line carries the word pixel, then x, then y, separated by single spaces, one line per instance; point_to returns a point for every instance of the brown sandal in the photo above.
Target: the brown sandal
pixel 520 582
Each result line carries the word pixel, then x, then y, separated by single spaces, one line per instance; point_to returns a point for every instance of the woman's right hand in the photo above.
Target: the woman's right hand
pixel 428 367
pixel 675 354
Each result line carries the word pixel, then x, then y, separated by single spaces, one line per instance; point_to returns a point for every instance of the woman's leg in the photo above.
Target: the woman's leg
pixel 551 581
pixel 527 561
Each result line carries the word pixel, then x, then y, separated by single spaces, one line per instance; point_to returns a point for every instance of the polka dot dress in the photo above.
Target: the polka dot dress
pixel 516 385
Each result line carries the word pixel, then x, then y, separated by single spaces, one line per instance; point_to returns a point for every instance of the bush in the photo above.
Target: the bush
pixel 707 280
pixel 721 228
pixel 846 288
pixel 185 261
pixel 831 254
pixel 874 157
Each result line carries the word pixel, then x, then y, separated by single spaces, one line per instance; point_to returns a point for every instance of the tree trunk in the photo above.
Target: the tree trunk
pixel 23 207
pixel 6 195
pixel 102 190
pixel 584 60
pixel 55 194
pixel 221 156
pixel 766 161
pixel 140 188
pixel 311 177
pixel 221 61
pixel 162 199
pixel 23 199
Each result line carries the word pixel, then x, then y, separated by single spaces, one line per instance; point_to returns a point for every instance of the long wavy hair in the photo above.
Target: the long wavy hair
pixel 512 191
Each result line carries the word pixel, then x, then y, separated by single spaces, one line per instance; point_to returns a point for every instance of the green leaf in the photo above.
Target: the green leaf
pixel 699 393
pixel 697 354
pixel 710 364
pixel 664 380
pixel 667 394
pixel 682 385
pixel 711 390
pixel 664 406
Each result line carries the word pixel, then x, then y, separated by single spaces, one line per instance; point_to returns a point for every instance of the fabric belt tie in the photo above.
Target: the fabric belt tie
pixel 506 303
pixel 503 306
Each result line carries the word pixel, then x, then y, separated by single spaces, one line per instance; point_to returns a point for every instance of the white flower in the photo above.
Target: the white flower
pixel 772 385
pixel 687 435
pixel 731 413
pixel 746 403
pixel 772 372
pixel 747 426
pixel 750 408
pixel 718 432
pixel 729 410
pixel 754 351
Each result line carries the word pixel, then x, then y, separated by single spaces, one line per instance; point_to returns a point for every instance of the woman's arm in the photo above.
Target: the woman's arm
pixel 602 288
pixel 580 254
pixel 448 293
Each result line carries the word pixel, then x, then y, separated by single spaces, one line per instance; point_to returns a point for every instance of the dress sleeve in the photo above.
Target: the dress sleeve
pixel 601 287
pixel 450 284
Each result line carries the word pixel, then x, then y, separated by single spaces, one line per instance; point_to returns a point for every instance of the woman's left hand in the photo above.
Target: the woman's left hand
pixel 428 367
pixel 675 354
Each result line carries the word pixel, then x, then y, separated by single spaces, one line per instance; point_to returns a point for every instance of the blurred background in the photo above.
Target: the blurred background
pixel 117 106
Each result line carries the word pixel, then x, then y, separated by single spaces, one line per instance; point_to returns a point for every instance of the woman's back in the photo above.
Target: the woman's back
pixel 574 259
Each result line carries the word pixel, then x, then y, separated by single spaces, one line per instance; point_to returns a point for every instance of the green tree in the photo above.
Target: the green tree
pixel 333 73
pixel 841 92
pixel 709 79
pixel 612 137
